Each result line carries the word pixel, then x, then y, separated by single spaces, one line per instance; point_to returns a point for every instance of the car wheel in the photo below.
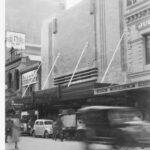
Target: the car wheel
pixel 66 135
pixel 46 135
pixel 33 134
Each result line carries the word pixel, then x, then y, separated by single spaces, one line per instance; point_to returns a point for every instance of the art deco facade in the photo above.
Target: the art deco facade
pixel 97 22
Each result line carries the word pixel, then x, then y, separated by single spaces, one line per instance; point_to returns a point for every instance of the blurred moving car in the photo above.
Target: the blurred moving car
pixel 43 127
pixel 139 130
pixel 112 125
pixel 81 128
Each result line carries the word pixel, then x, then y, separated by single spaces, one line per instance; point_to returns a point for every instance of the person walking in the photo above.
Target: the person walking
pixel 8 128
pixel 16 132
pixel 54 130
pixel 57 129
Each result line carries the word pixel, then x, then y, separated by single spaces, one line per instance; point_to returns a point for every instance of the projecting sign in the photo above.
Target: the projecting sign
pixel 144 24
pixel 29 78
pixel 15 40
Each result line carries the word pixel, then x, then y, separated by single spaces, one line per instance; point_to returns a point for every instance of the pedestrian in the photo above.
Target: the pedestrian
pixel 57 129
pixel 8 128
pixel 54 130
pixel 16 132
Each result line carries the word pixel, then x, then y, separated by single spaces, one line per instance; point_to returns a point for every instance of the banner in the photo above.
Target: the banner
pixel 29 78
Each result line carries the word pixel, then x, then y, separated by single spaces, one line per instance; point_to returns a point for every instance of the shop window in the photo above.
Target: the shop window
pixel 17 79
pixel 9 80
pixel 30 90
pixel 147 48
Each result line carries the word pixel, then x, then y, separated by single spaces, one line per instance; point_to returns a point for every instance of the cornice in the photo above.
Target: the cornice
pixel 139 74
pixel 10 62
pixel 137 7
pixel 30 68
pixel 137 16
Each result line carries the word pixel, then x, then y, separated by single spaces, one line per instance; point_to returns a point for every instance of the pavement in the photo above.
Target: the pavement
pixel 32 143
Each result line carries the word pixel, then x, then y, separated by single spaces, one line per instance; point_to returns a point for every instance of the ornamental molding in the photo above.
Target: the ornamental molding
pixel 139 15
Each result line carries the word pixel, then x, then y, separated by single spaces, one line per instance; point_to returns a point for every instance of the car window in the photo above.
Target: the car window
pixel 95 118
pixel 48 122
pixel 41 123
pixel 37 123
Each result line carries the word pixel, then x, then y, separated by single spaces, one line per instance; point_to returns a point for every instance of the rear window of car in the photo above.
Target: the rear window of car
pixel 48 122
pixel 41 123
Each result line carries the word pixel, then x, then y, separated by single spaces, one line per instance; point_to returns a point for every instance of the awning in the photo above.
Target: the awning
pixel 23 100
pixel 124 88
pixel 46 96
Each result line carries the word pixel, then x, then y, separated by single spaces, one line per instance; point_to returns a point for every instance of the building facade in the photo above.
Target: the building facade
pixel 96 22
pixel 137 18
pixel 137 43
pixel 16 67
pixel 101 24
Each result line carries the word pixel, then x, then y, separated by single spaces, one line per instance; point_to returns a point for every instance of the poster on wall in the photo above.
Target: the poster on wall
pixel 15 40
pixel 29 78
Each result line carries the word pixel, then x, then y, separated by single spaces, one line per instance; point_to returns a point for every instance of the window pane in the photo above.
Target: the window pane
pixel 41 122
pixel 48 122
pixel 37 123
pixel 147 48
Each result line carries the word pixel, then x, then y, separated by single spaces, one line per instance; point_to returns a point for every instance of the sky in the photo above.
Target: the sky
pixel 71 3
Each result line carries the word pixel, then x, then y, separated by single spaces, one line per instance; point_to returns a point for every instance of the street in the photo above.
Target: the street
pixel 30 143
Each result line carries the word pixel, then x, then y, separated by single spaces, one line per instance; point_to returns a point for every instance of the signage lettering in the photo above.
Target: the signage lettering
pixel 15 40
pixel 29 78
pixel 144 24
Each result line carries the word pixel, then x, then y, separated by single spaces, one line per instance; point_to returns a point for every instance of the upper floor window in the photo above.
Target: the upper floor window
pixel 30 90
pixel 9 80
pixel 131 2
pixel 16 79
pixel 147 48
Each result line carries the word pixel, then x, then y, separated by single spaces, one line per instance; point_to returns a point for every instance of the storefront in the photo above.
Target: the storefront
pixel 137 94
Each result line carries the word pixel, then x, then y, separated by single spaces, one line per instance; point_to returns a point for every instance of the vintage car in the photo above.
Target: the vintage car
pixel 113 125
pixel 43 127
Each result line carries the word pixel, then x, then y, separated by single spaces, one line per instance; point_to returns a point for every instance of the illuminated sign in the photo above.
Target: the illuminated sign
pixel 29 78
pixel 144 24
pixel 15 40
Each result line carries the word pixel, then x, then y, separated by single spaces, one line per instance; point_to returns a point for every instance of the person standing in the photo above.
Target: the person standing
pixel 16 132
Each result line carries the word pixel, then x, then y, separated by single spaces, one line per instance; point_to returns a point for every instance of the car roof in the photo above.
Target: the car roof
pixel 44 120
pixel 95 108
